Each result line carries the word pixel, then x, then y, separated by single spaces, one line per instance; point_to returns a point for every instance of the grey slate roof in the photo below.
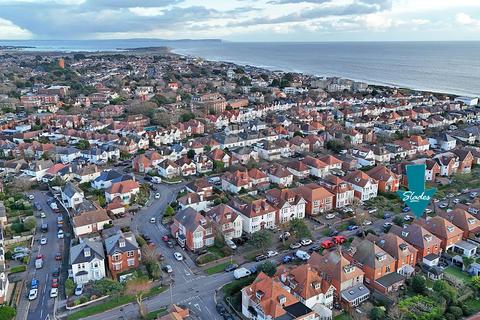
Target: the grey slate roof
pixel 112 243
pixel 77 252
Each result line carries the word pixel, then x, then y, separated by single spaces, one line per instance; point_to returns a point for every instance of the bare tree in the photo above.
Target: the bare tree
pixel 395 313
pixel 137 287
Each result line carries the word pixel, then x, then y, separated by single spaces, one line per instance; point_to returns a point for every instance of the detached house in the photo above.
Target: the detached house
pixel 299 169
pixel 308 287
pixel 267 298
pixel 317 197
pixel 256 214
pixel 169 169
pixel 447 232
pixel 147 162
pixel 317 167
pixel 343 193
pixel 72 196
pixel 279 175
pixel 226 220
pixel 125 190
pixel 405 255
pixel 365 187
pixel 346 277
pixel 87 261
pixel 387 180
pixel 90 222
pixel 123 252
pixel 289 204
pixel 192 230
pixel 379 266
pixel 428 246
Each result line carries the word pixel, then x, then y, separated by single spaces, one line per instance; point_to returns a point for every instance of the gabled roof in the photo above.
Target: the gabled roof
pixel 371 255
pixel 77 252
pixel 440 227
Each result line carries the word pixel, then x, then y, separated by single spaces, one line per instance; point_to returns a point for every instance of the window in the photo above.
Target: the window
pixel 117 266
pixel 117 257
pixel 131 262
pixel 130 254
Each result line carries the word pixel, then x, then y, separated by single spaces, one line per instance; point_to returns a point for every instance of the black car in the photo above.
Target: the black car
pixel 231 267
pixel 147 178
pixel 228 316
pixel 56 272
pixel 221 309
pixel 333 233
pixel 144 236
pixel 314 248
pixel 261 257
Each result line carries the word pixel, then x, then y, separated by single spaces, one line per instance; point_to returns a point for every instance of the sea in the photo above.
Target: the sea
pixel 447 67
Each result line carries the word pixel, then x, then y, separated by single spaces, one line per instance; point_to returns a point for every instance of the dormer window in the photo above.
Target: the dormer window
pixel 259 294
pixel 404 233
pixel 450 229
pixel 86 252
pixel 428 237
pixel 228 216
pixel 403 246
pixel 471 220
pixel 381 256
pixel 316 285
pixel 121 243
pixel 282 299
pixel 349 268
pixel 203 222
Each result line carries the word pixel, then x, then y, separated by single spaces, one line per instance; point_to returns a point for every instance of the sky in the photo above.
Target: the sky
pixel 242 20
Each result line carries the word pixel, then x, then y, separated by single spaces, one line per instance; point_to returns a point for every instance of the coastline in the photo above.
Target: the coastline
pixel 373 83
pixel 30 50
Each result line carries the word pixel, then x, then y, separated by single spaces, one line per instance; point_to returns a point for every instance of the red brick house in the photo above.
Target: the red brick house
pixel 387 180
pixel 318 198
pixel 192 230
pixel 446 231
pixel 123 252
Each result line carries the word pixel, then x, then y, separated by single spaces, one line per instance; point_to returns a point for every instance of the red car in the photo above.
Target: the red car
pixel 39 256
pixel 339 239
pixel 327 244
pixel 54 283
pixel 58 256
pixel 165 238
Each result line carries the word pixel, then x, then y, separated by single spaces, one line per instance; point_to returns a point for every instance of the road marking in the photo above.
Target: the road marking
pixel 196 305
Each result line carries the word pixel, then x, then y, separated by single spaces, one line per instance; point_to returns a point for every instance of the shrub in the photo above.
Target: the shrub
pixel 83 299
pixel 7 312
pixel 206 258
pixel 17 269
pixel 141 242
pixel 419 284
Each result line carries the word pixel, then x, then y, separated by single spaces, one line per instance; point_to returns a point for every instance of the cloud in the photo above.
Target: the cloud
pixel 10 31
pixel 466 20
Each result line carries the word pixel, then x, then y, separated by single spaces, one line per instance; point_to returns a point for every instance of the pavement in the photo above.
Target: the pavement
pixel 42 307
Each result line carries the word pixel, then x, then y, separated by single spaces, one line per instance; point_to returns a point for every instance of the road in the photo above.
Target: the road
pixel 42 307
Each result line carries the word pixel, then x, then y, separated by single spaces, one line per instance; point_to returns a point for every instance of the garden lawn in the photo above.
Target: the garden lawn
pixel 342 316
pixel 216 269
pixel 459 274
pixel 102 307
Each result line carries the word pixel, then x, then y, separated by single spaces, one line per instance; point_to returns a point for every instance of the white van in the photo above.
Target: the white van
pixel 241 273
pixel 156 180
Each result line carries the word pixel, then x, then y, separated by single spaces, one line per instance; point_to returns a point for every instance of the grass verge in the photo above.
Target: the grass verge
pixel 216 269
pixel 99 308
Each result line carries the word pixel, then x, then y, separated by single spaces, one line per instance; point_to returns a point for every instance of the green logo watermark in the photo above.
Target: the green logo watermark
pixel 417 197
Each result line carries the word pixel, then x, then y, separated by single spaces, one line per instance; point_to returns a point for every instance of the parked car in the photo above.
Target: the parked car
pixel 32 295
pixel 79 289
pixel 352 227
pixel 473 194
pixel 285 235
pixel 43 215
pixel 231 267
pixel 19 256
pixel 261 257
pixel 21 250
pixel 339 239
pixel 287 259
pixel 230 244
pixel 34 284
pixel 60 234
pixel 43 240
pixel 314 248
pixel 58 256
pixel 165 238
pixel 295 245
pixel 327 244
pixel 152 220
pixel 170 244
pixel 406 209
pixel 456 201
pixel 157 195
pixel 302 255
pixel 178 256
pixel 443 205
pixel 367 222
pixel 53 292
pixel 387 215
pixel 31 197
pixel 408 218
pixel 330 216
pixel 56 272
pixel 220 308
pixel 271 253
pixel 387 225
pixel 54 282
pixel 306 242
